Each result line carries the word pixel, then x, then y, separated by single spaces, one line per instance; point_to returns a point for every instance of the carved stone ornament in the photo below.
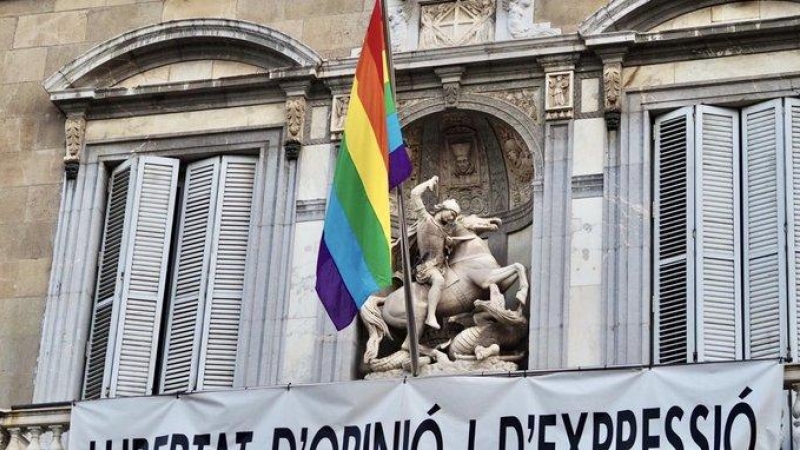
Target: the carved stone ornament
pixel 295 123
pixel 524 99
pixel 559 95
pixel 452 92
pixel 612 90
pixel 75 130
pixel 340 104
pixel 479 332
pixel 459 22
pixel 295 118
pixel 520 21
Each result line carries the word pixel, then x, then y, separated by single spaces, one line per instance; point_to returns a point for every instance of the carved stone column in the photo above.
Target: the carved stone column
pixel 75 130
pixel 451 84
pixel 295 125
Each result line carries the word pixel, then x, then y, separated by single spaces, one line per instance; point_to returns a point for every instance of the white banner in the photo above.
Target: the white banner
pixel 731 406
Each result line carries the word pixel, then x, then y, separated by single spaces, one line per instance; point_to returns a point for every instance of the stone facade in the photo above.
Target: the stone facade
pixel 546 104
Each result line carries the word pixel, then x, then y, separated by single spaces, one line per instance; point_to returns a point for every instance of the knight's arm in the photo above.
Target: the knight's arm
pixel 416 195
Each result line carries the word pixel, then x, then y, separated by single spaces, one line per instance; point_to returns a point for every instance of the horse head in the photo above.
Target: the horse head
pixel 479 225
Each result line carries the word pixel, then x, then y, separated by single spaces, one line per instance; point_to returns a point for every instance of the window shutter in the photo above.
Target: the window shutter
pixel 765 261
pixel 189 282
pixel 792 152
pixel 226 275
pixel 673 228
pixel 119 194
pixel 717 235
pixel 144 276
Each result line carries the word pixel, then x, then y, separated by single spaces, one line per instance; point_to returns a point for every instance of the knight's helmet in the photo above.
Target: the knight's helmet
pixel 449 204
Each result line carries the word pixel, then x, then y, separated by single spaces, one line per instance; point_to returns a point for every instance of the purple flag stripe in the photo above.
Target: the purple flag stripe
pixel 332 291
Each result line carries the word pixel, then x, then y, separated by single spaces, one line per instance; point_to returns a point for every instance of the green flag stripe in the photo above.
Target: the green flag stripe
pixel 361 217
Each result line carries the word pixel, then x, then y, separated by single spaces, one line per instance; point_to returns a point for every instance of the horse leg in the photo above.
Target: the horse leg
pixel 419 315
pixel 506 276
pixel 377 328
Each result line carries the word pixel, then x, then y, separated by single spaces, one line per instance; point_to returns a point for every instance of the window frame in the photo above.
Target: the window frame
pixel 105 156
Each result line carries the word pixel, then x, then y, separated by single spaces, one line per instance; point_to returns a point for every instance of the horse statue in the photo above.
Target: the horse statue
pixel 470 271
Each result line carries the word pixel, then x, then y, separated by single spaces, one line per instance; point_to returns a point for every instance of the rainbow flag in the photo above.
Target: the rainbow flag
pixel 354 256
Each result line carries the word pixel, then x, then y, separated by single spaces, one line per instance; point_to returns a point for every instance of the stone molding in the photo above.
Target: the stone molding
pixel 641 15
pixel 123 56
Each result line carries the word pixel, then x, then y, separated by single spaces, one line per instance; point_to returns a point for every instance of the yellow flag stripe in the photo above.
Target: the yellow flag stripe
pixel 365 152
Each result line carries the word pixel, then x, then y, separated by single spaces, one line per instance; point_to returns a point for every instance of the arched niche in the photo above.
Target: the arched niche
pixel 485 164
pixel 154 46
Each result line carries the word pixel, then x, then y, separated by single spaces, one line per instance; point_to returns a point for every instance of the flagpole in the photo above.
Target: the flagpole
pixel 411 319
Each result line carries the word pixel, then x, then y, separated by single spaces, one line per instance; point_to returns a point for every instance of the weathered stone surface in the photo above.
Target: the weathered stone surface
pixel 106 23
pixel 565 15
pixel 12 204
pixel 50 29
pixel 338 34
pixel 8 272
pixel 20 7
pixel 43 166
pixel 589 142
pixel 590 95
pixel 260 11
pixel 11 171
pixel 190 70
pixel 222 69
pixel 735 11
pixel 60 55
pixel 153 76
pixel 186 122
pixel 19 338
pixel 23 65
pixel 65 5
pixel 36 240
pixel 27 99
pixel 182 9
pixel 32 277
pixel 7 28
pixel 42 203
pixel 306 9
pixel 16 134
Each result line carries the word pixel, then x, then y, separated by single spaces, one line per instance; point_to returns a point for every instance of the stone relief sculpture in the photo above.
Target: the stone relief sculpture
pixel 558 99
pixel 457 23
pixel 398 26
pixel 477 331
pixel 520 21
pixel 340 103
pixel 75 130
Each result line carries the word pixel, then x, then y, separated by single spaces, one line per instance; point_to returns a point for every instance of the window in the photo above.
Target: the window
pixel 198 297
pixel 727 201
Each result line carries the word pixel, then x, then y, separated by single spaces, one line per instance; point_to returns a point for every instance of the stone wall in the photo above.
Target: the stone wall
pixel 37 37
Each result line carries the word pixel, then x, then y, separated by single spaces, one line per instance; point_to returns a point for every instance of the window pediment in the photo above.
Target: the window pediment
pixel 148 48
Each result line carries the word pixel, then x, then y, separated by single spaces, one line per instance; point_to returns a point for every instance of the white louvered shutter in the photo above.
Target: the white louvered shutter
pixel 792 158
pixel 765 303
pixel 717 235
pixel 226 274
pixel 144 277
pixel 673 227
pixel 131 279
pixel 97 359
pixel 188 295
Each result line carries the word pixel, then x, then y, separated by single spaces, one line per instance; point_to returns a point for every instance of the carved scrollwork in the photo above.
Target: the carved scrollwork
pixel 524 99
pixel 452 92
